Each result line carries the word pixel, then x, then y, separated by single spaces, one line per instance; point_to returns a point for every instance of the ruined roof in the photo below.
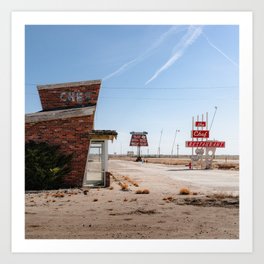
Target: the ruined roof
pixel 103 134
pixel 59 114
pixel 68 84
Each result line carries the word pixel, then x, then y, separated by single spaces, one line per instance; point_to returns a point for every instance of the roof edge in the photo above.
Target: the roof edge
pixel 59 114
pixel 68 84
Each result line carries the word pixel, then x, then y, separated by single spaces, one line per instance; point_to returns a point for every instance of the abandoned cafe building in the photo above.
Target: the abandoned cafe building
pixel 67 120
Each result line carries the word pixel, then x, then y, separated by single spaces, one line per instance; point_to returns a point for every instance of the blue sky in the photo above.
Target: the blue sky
pixel 153 78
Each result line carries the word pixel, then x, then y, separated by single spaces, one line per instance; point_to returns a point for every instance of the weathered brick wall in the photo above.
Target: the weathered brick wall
pixel 72 136
pixel 69 95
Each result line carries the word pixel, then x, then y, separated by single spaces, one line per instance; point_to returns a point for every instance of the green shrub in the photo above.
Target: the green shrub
pixel 45 166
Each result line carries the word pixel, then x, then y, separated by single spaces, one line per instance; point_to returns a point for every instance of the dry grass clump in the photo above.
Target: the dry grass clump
pixel 227 166
pixel 124 186
pixel 72 193
pixel 126 178
pixel 85 192
pixel 145 191
pixel 58 195
pixel 168 199
pixel 114 178
pixel 184 191
pixel 222 195
pixel 95 200
pixel 125 200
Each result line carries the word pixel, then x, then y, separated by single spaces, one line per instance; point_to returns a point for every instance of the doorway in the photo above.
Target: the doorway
pixel 95 172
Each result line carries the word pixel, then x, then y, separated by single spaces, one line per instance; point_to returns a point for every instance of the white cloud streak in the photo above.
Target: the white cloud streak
pixel 220 51
pixel 188 39
pixel 120 69
pixel 172 30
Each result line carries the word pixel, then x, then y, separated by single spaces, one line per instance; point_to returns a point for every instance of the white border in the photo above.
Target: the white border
pixel 20 19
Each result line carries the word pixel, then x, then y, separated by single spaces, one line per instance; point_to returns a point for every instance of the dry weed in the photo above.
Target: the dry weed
pixel 145 191
pixel 184 191
pixel 222 196
pixel 124 186
pixel 168 199
pixel 58 195
pixel 126 178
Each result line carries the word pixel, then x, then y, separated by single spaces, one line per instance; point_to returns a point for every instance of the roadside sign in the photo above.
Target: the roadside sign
pixel 200 133
pixel 138 140
pixel 205 144
pixel 200 124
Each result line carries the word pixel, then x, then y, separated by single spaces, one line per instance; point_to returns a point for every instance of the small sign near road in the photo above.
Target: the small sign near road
pixel 138 140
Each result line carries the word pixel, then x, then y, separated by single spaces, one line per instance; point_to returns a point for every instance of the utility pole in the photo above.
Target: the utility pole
pixel 160 142
pixel 177 150
pixel 176 131
pixel 213 118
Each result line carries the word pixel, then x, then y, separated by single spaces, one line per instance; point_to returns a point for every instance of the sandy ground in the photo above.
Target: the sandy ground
pixel 210 211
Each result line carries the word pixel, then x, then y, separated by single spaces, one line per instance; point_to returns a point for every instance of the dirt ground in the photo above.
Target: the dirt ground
pixel 150 206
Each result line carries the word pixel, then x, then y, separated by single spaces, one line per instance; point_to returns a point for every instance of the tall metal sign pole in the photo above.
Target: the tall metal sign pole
pixel 176 131
pixel 138 139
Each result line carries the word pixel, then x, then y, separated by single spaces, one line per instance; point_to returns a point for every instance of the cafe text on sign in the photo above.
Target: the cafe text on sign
pixel 200 133
pixel 205 144
pixel 200 124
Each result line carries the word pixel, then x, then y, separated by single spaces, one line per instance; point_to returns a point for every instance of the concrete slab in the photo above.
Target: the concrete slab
pixel 170 176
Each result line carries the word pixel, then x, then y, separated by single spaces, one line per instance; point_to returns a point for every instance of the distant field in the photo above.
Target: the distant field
pixel 223 163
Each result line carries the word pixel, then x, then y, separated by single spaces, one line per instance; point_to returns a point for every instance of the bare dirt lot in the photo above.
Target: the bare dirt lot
pixel 143 202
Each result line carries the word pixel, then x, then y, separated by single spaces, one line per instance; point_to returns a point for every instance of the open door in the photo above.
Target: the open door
pixel 95 171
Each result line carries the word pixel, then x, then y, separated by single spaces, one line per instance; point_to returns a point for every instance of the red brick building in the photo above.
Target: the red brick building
pixel 67 119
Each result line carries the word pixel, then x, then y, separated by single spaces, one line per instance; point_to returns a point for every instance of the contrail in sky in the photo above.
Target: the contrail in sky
pixel 220 51
pixel 120 69
pixel 160 40
pixel 188 39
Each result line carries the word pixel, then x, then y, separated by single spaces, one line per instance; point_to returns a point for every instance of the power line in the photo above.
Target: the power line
pixel 155 99
pixel 159 88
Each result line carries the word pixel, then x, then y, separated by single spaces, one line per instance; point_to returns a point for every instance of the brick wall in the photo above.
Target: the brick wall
pixel 70 95
pixel 72 136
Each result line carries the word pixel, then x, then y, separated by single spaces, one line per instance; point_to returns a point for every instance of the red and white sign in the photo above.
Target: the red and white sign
pixel 200 124
pixel 200 133
pixel 205 144
pixel 138 140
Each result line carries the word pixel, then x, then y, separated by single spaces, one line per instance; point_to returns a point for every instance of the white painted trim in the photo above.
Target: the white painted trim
pixel 59 114
pixel 106 155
